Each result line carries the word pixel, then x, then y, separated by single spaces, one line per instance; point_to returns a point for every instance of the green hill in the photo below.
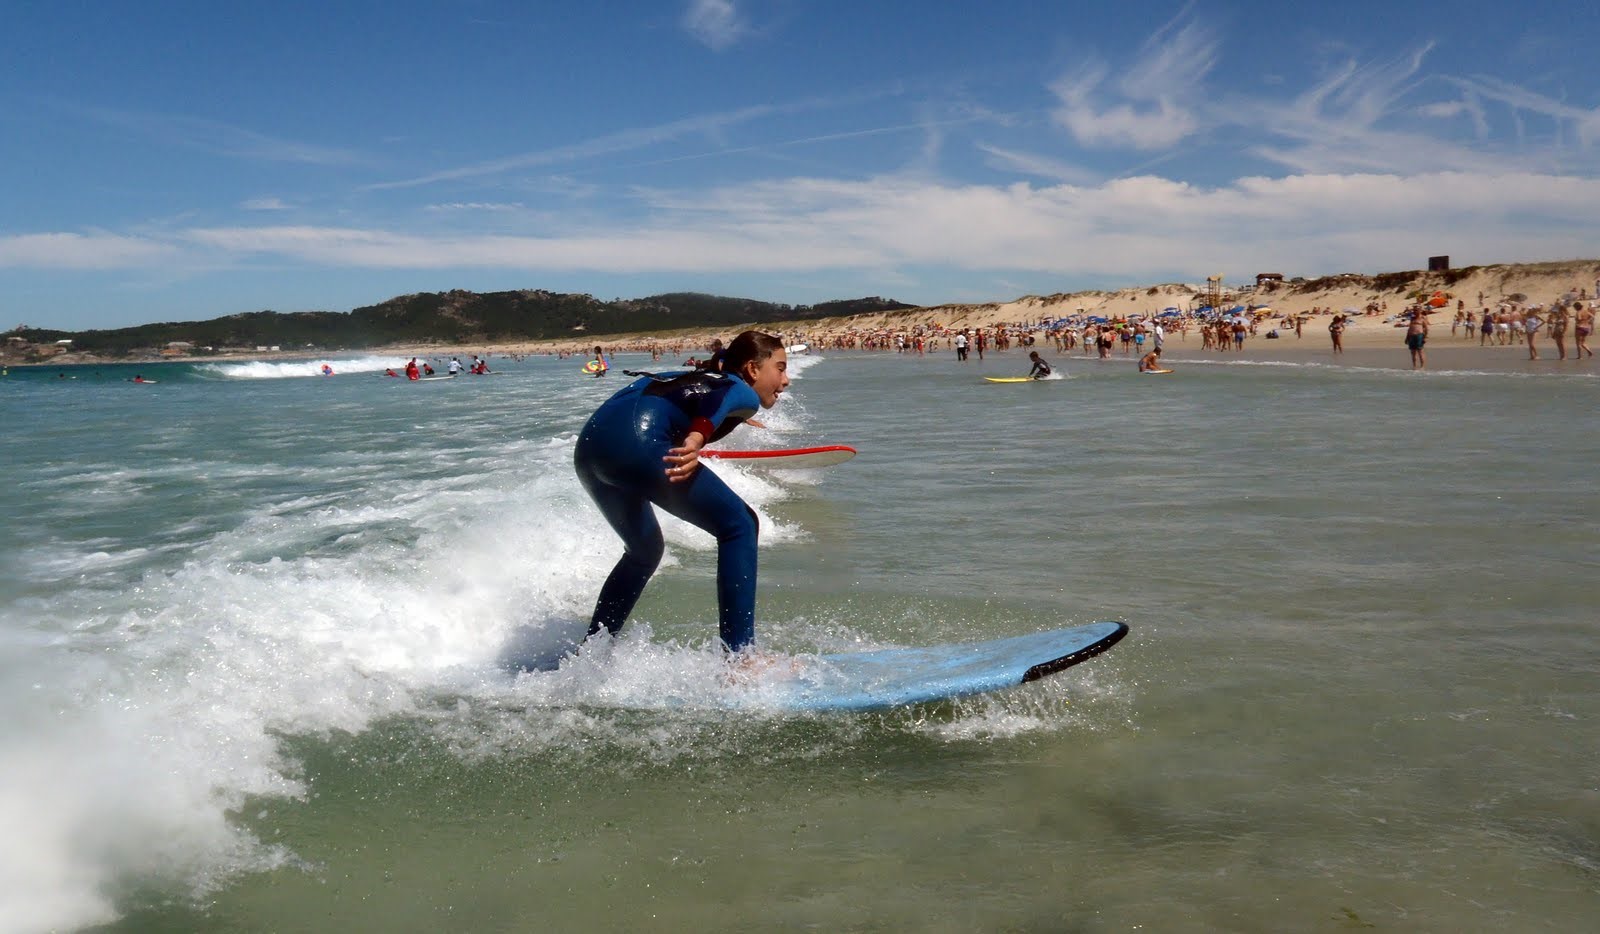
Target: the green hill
pixel 455 317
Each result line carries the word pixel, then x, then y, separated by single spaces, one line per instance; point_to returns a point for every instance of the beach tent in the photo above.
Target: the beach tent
pixel 1170 313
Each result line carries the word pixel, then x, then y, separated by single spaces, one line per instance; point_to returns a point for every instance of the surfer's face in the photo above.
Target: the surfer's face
pixel 769 378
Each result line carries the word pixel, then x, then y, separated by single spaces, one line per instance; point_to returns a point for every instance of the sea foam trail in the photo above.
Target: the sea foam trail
pixel 293 369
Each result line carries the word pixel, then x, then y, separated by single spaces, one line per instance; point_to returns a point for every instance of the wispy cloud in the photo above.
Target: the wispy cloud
pixel 468 206
pixel 1037 165
pixel 715 23
pixel 225 139
pixel 610 143
pixel 1583 123
pixel 1150 105
pixel 1362 118
pixel 265 204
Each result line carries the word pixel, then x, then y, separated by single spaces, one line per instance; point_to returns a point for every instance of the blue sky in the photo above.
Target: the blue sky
pixel 175 161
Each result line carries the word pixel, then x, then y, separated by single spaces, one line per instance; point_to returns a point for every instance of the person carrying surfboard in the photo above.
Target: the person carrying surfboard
pixel 1040 369
pixel 642 447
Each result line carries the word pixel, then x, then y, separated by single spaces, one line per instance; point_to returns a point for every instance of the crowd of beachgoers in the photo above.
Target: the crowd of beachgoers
pixel 1488 323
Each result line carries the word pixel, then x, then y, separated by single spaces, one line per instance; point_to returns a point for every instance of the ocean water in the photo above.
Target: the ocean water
pixel 255 626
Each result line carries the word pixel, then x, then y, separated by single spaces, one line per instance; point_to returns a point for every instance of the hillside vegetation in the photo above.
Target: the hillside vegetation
pixel 455 317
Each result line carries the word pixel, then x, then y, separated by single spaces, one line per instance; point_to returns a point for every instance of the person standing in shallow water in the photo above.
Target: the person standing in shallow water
pixel 1336 331
pixel 1416 337
pixel 1558 329
pixel 641 448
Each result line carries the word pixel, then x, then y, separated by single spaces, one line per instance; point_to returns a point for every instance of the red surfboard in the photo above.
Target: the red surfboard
pixel 790 458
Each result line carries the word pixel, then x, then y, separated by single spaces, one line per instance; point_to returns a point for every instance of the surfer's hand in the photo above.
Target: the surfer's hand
pixel 683 461
pixel 753 423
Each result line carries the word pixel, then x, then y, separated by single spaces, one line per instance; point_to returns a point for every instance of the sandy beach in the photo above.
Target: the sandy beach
pixel 1371 308
pixel 1369 305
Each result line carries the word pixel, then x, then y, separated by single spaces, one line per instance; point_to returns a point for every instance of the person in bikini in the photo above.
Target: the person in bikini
pixel 1531 323
pixel 1557 322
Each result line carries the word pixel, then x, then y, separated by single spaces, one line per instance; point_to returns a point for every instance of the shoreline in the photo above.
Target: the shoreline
pixel 1367 344
pixel 1369 305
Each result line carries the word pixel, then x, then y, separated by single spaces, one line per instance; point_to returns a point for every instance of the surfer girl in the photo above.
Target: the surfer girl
pixel 1150 361
pixel 642 446
pixel 1040 369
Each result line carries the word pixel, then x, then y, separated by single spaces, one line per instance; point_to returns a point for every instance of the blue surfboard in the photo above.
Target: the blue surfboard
pixel 897 677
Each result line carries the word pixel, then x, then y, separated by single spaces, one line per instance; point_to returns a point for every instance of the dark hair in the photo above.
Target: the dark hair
pixel 749 347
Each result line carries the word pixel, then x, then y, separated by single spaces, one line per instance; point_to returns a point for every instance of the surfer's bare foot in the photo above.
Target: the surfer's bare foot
pixel 749 665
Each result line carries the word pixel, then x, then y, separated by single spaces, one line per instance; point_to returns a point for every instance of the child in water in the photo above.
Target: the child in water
pixel 1040 369
pixel 642 446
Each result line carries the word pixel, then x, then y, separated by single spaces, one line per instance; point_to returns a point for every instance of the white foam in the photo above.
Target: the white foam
pixel 291 369
pixel 146 698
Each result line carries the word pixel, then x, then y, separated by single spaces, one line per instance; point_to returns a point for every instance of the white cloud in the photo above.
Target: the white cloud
pixel 1134 228
pixel 81 251
pixel 264 204
pixel 490 206
pixel 1151 105
pixel 715 23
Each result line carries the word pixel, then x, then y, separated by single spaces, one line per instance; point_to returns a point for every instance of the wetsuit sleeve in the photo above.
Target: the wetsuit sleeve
pixel 723 412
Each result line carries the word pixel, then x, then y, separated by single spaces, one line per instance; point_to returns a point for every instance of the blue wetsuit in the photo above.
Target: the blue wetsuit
pixel 619 461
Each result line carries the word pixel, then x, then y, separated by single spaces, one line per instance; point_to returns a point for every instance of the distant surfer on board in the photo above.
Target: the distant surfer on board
pixel 642 446
pixel 1040 369
pixel 1150 361
pixel 717 360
